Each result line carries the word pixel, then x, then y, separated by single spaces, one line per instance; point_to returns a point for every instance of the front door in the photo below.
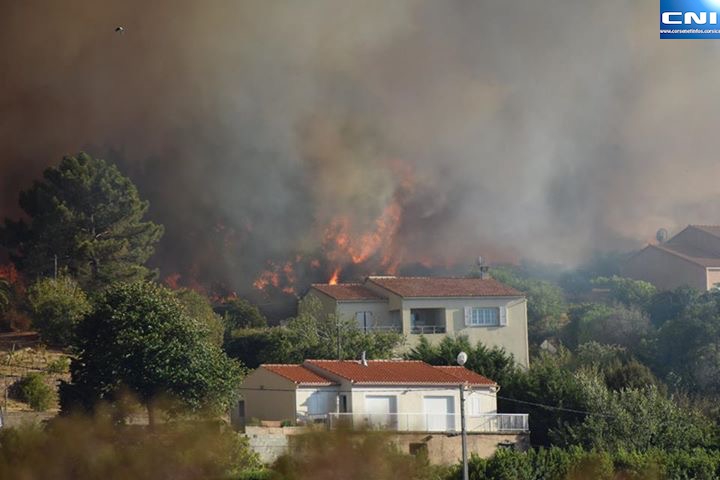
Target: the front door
pixel 439 413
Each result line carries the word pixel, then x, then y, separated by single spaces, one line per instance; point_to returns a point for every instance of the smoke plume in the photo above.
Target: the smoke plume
pixel 281 142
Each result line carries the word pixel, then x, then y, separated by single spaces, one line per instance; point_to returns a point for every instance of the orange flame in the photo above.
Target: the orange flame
pixel 334 278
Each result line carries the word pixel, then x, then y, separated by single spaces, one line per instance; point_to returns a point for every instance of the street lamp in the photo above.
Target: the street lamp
pixel 461 359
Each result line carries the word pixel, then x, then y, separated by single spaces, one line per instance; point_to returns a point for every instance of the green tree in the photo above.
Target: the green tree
pixel 629 292
pixel 607 324
pixel 634 419
pixel 549 392
pixel 140 339
pixel 671 304
pixel 89 217
pixel 546 308
pixel 197 306
pixel 239 313
pixel 57 306
pixel 311 334
pixel 492 362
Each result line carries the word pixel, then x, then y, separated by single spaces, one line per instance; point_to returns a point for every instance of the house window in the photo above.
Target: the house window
pixel 343 403
pixel 364 320
pixel 483 317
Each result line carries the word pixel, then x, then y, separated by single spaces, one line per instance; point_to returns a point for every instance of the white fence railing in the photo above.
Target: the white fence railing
pixel 428 422
pixel 426 329
pixel 384 328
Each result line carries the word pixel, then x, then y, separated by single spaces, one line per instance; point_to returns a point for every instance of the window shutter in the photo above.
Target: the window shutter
pixel 503 316
pixel 468 313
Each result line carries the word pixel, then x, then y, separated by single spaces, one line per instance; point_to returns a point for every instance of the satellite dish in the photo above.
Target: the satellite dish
pixel 661 235
pixel 462 358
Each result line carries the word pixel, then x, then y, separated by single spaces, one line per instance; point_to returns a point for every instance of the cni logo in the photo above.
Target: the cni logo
pixel 693 19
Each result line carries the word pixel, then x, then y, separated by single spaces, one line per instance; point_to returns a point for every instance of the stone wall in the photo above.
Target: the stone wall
pixel 441 449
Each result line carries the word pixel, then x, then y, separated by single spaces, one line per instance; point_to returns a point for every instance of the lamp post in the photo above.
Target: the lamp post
pixel 461 359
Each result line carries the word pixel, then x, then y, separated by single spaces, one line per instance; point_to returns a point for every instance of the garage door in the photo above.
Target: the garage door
pixel 380 410
pixel 439 413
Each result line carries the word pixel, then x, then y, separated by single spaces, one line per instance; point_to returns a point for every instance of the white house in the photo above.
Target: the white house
pixel 483 309
pixel 402 396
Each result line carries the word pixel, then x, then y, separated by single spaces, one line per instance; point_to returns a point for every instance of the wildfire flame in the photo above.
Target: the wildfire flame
pixel 348 241
pixel 334 278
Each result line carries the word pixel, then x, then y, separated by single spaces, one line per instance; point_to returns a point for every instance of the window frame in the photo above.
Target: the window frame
pixel 496 319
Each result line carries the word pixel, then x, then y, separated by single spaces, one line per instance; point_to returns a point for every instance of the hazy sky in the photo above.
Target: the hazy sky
pixel 506 128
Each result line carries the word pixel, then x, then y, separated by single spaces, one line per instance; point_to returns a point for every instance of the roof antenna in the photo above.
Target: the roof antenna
pixel 363 359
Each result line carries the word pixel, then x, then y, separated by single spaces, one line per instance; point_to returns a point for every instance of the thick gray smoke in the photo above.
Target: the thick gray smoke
pixel 258 129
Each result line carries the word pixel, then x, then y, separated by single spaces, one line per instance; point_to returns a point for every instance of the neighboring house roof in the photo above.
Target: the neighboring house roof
pixel 467 375
pixel 423 287
pixel 347 291
pixel 691 254
pixel 298 374
pixel 711 229
pixel 398 372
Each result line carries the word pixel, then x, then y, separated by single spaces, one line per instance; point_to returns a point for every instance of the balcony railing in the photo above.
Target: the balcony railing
pixel 428 422
pixel 384 328
pixel 426 329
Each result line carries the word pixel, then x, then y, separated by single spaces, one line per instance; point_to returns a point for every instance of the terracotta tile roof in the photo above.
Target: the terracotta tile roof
pixel 298 374
pixel 347 291
pixel 467 375
pixel 691 254
pixel 396 372
pixel 445 287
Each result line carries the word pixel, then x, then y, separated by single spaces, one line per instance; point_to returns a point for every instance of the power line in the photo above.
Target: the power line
pixel 524 402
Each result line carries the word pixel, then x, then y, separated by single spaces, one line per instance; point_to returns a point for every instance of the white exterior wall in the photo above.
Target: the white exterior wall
pixel 323 397
pixel 410 401
pixel 268 396
pixel 513 337
pixel 379 309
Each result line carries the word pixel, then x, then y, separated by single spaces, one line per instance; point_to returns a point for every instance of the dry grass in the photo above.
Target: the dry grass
pixel 18 362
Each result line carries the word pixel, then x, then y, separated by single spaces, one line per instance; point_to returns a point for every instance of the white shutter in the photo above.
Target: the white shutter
pixel 503 316
pixel 468 314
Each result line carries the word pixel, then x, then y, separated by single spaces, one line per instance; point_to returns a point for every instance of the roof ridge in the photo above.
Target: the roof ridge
pixel 369 360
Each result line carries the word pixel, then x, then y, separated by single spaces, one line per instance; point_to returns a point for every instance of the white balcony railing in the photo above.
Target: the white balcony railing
pixel 428 422
pixel 427 329
pixel 384 328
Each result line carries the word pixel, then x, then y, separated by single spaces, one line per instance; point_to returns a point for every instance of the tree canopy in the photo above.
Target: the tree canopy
pixel 57 306
pixel 139 338
pixel 311 334
pixel 198 307
pixel 89 217
pixel 239 313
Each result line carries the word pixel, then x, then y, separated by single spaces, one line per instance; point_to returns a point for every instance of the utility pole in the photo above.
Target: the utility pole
pixel 56 268
pixel 461 359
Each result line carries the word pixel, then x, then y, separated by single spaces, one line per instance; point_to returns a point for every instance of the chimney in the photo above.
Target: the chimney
pixel 484 272
pixel 484 269
pixel 363 360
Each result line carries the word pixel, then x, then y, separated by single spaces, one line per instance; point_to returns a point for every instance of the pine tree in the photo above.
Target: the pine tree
pixel 84 218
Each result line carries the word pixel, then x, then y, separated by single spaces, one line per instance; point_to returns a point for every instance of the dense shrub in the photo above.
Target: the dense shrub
pixel 577 464
pixel 59 366
pixel 33 390
pixel 57 306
